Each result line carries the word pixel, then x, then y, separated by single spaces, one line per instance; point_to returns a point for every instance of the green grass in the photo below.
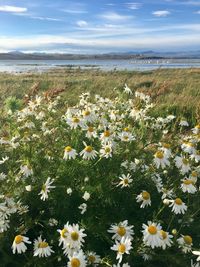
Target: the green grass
pixel 175 91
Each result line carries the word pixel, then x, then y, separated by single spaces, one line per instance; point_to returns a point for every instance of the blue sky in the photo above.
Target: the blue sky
pixel 99 26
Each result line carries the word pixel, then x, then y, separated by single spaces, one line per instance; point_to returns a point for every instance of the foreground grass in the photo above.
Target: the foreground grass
pixel 175 91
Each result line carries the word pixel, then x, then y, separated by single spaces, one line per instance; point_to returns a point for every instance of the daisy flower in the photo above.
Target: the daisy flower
pixel 182 164
pixel 88 152
pixel 166 148
pixel 106 151
pixel 151 234
pixel 161 160
pixel 26 170
pixel 196 156
pixel 197 253
pixel 196 129
pixel 166 239
pixel 91 132
pixel 106 136
pixel 19 244
pixel 145 198
pixel 88 115
pixel 127 90
pixel 188 186
pixel 74 122
pixel 126 135
pixel 121 230
pixel 46 189
pixel 178 206
pixel 188 147
pixel 185 243
pixel 42 248
pixel 122 247
pixel 77 260
pixel 83 208
pixel 93 258
pixel 63 235
pixel 125 180
pixel 86 196
pixel 69 153
pixel 184 123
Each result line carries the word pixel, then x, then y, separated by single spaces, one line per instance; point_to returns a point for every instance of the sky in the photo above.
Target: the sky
pixel 99 26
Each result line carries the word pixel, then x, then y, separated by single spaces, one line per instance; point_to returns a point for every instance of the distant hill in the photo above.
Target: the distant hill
pixel 18 55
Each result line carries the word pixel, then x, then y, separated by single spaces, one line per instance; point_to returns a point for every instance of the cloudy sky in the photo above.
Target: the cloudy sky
pixel 98 26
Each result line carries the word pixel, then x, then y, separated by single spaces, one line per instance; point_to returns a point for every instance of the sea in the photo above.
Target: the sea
pixel 30 66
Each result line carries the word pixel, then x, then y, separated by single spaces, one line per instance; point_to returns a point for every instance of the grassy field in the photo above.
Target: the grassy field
pixel 176 91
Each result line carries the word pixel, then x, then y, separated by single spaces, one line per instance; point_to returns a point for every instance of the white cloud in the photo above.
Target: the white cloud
pixel 44 18
pixel 113 16
pixel 74 11
pixel 13 9
pixel 82 23
pixel 133 5
pixel 198 12
pixel 192 3
pixel 161 13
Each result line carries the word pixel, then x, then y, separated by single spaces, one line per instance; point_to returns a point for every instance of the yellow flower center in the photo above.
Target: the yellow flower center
pixel 145 195
pixel 178 201
pixel 106 134
pixel 188 182
pixel 74 236
pixel 185 161
pixel 43 245
pixel 125 137
pixel 44 187
pixel 91 258
pixel 121 231
pixel 68 149
pixel 107 150
pixel 121 248
pixel 194 174
pixel 197 126
pixel 126 181
pixel 63 232
pixel 159 155
pixel 88 149
pixel 75 262
pixel 90 129
pixel 190 144
pixel 18 239
pixel 166 145
pixel 152 230
pixel 76 120
pixel 187 239
pixel 86 113
pixel 163 234
pixel 126 129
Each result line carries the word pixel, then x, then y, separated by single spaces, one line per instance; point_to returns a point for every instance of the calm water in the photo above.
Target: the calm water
pixel 18 66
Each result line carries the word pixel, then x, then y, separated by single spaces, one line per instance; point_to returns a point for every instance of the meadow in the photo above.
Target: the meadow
pixel 100 169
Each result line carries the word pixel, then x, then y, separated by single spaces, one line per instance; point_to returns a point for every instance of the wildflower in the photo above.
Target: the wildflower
pixel 178 206
pixel 125 180
pixel 46 189
pixel 184 123
pixel 93 258
pixel 188 186
pixel 19 244
pixel 126 136
pixel 106 151
pixel 196 129
pixel 26 170
pixel 151 234
pixel 127 90
pixel 106 137
pixel 91 132
pixel 77 260
pixel 83 208
pixel 75 237
pixel 122 247
pixel 166 148
pixel 42 248
pixel 88 152
pixel 185 243
pixel 145 198
pixel 86 196
pixel 188 147
pixel 161 160
pixel 166 239
pixel 69 191
pixel 121 229
pixel 74 122
pixel 28 188
pixel 69 153
pixel 4 160
pixel 182 164
pixel 63 235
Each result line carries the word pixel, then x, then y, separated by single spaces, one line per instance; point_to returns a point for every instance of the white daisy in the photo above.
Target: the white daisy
pixel 145 198
pixel 196 156
pixel 127 90
pixel 185 243
pixel 106 137
pixel 126 135
pixel 86 196
pixel 188 147
pixel 125 180
pixel 161 160
pixel 83 208
pixel 178 206
pixel 182 164
pixel 74 122
pixel 93 258
pixel 188 186
pixel 151 234
pixel 106 151
pixel 196 129
pixel 91 132
pixel 184 123
pixel 46 189
pixel 42 248
pixel 122 247
pixel 88 115
pixel 166 148
pixel 77 260
pixel 19 244
pixel 63 235
pixel 121 229
pixel 166 239
pixel 88 152
pixel 26 170
pixel 69 153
